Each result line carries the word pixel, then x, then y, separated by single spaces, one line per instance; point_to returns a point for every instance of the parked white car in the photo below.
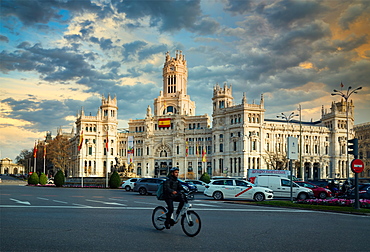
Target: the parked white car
pixel 236 189
pixel 201 186
pixel 128 185
pixel 281 187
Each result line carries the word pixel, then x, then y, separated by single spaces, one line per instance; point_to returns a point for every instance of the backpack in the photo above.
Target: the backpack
pixel 159 193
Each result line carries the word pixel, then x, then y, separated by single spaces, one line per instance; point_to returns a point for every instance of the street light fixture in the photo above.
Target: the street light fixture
pixel 346 96
pixel 287 118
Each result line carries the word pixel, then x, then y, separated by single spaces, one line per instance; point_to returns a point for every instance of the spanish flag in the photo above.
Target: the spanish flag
pixel 164 123
pixel 81 141
pixel 204 157
pixel 186 148
pixel 35 150
pixel 106 143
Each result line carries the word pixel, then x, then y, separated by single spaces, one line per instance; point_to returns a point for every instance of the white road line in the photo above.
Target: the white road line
pixel 206 205
pixel 20 202
pixel 118 199
pixel 42 198
pixel 78 206
pixel 58 201
pixel 106 203
pixel 146 203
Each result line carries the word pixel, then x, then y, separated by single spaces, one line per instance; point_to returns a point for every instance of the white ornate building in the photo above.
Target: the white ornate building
pixel 240 138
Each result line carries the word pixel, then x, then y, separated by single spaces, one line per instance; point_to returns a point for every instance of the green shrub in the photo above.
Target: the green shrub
pixel 59 179
pixel 114 180
pixel 43 179
pixel 205 178
pixel 33 179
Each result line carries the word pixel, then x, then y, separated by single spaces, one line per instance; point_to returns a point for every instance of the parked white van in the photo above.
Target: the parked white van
pixel 281 187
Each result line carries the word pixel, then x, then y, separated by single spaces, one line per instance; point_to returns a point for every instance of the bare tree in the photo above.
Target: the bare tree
pixel 23 157
pixel 278 161
pixel 58 152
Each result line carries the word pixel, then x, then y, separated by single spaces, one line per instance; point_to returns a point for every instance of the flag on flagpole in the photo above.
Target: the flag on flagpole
pixel 204 155
pixel 35 150
pixel 196 149
pixel 81 141
pixel 341 85
pixel 106 143
pixel 44 150
pixel 186 149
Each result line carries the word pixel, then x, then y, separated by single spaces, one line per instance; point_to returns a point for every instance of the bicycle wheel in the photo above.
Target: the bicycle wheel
pixel 191 223
pixel 159 217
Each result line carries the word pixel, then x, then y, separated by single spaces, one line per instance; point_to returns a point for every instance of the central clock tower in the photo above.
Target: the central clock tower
pixel 174 99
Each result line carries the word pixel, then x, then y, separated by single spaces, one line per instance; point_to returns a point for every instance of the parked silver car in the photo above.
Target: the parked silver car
pixel 147 185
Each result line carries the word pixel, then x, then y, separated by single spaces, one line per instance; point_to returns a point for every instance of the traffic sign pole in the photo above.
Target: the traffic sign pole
pixel 357 167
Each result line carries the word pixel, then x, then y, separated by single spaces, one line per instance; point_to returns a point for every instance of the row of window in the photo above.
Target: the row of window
pixel 106 113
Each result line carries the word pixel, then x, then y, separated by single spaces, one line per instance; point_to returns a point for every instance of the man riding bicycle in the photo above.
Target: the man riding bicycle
pixel 172 192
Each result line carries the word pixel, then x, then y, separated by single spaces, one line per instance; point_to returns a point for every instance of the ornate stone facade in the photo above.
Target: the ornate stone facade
pixel 241 138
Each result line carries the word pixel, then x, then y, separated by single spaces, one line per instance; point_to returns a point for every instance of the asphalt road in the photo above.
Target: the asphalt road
pixel 73 219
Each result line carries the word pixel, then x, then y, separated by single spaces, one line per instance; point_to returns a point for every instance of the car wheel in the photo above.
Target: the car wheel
pixel 322 195
pixel 259 197
pixel 302 196
pixel 142 191
pixel 128 188
pixel 218 195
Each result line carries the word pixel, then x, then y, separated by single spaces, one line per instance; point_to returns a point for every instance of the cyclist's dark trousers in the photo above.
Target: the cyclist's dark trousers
pixel 179 198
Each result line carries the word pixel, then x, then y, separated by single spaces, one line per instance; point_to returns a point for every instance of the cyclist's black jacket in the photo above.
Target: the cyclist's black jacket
pixel 171 184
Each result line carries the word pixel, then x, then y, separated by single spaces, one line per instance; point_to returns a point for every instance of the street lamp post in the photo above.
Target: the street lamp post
pixel 288 118
pixel 346 96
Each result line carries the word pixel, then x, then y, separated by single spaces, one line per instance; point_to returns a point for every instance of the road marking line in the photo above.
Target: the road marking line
pixel 145 203
pixel 196 204
pixel 106 203
pixel 117 199
pixel 78 206
pixel 42 198
pixel 20 202
pixel 58 201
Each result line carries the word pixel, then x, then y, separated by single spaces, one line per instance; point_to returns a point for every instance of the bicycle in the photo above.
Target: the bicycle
pixel 190 220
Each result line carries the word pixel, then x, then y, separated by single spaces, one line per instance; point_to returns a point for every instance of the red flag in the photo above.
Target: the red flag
pixel 186 149
pixel 81 140
pixel 341 85
pixel 35 150
pixel 106 143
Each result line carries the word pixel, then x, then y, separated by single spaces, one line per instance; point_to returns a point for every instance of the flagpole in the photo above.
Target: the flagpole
pixel 44 163
pixel 82 168
pixel 106 170
pixel 34 156
pixel 185 167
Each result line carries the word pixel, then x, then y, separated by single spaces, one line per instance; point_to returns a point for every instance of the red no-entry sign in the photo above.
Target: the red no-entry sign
pixel 357 166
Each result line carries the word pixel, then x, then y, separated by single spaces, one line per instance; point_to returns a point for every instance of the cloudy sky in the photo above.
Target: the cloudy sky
pixel 57 56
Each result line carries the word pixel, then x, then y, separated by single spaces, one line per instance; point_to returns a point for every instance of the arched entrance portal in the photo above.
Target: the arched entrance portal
pixel 307 170
pixel 316 171
pixel 162 167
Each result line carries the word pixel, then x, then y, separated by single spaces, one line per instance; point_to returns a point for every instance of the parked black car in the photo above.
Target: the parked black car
pixel 363 192
pixel 190 185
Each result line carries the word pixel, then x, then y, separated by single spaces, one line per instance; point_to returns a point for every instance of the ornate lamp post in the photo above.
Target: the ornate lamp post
pixel 346 96
pixel 287 118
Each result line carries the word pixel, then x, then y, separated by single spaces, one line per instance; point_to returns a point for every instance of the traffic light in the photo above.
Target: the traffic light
pixel 353 147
